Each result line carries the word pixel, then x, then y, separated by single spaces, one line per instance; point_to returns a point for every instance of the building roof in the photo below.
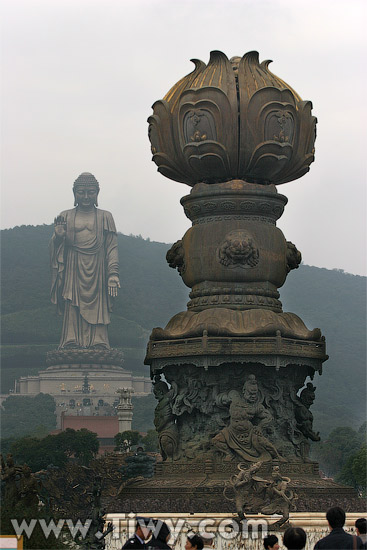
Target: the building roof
pixel 103 426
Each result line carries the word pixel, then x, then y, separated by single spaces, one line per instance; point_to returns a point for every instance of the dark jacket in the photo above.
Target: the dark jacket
pixel 159 541
pixel 156 543
pixel 338 539
pixel 134 543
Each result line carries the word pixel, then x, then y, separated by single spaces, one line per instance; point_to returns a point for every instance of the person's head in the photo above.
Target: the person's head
pixel 194 542
pixel 161 531
pixel 208 539
pixel 271 543
pixel 143 527
pixel 335 517
pixel 294 538
pixel 86 189
pixel 361 526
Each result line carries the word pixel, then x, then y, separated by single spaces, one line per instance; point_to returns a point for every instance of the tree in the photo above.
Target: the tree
pixel 354 471
pixel 150 441
pixel 138 465
pixel 125 440
pixel 81 444
pixel 333 453
pixel 24 415
pixel 38 453
pixel 56 449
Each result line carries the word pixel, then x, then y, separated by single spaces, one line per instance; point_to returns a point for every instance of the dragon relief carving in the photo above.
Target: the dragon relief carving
pixel 252 492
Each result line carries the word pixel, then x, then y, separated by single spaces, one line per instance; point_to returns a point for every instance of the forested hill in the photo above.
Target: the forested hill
pixel 151 293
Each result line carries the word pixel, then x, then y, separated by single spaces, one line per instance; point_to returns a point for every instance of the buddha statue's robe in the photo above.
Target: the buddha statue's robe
pixel 81 264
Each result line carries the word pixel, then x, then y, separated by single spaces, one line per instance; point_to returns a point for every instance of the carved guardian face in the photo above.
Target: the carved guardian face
pixel 239 250
pixel 250 389
pixel 308 398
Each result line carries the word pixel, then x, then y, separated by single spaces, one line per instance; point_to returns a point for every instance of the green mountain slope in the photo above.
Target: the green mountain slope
pixel 335 302
pixel 151 293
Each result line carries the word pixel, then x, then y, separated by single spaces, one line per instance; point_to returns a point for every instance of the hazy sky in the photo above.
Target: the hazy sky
pixel 79 78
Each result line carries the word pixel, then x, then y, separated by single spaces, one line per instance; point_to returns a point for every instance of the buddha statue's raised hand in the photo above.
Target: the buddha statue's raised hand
pixel 60 227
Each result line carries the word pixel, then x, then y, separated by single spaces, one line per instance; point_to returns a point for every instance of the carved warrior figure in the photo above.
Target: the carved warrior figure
pixel 243 436
pixel 164 420
pixel 304 416
pixel 9 474
pixel 84 263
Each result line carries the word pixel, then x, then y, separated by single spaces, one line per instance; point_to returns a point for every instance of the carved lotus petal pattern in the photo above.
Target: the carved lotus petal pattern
pixel 218 124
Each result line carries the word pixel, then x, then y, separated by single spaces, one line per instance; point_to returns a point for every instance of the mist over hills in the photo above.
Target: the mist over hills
pixel 151 293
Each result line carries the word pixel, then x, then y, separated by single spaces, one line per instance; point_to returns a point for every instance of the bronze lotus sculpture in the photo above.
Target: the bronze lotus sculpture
pixel 232 131
pixel 232 119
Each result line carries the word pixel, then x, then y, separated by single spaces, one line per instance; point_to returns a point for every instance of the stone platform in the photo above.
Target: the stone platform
pixel 78 356
pixel 205 351
pixel 83 381
pixel 198 487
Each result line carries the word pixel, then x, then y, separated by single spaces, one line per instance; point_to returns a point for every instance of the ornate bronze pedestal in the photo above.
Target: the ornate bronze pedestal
pixel 233 374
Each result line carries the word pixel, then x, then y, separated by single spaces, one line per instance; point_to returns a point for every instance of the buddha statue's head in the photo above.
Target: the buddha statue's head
pixel 86 189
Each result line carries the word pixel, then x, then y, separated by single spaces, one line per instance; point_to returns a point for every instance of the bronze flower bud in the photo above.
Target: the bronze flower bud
pixel 232 119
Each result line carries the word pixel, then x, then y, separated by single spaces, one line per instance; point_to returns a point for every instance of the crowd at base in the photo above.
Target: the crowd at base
pixel 223 532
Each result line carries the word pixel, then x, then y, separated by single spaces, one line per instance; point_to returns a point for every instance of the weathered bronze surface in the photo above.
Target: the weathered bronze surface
pixel 270 496
pixel 234 412
pixel 234 259
pixel 231 374
pixel 232 119
pixel 232 130
pixel 185 487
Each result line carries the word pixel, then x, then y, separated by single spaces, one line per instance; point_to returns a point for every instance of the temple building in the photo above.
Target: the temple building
pixel 83 390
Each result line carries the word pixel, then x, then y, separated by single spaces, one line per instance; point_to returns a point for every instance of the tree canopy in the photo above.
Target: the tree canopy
pixel 81 445
pixel 354 471
pixel 23 415
pixel 341 452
